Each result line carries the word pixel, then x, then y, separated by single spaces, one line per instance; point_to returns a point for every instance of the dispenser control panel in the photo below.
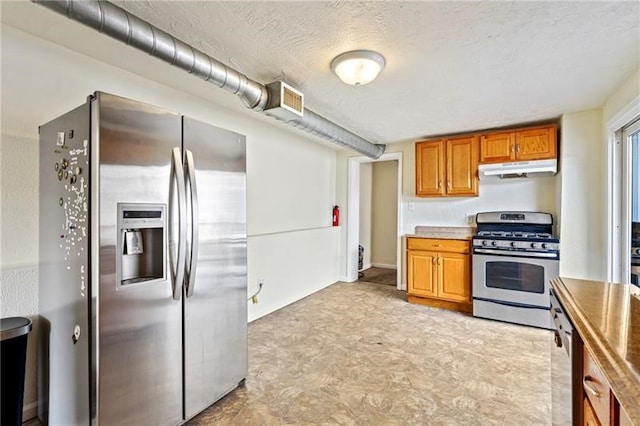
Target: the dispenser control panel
pixel 142 242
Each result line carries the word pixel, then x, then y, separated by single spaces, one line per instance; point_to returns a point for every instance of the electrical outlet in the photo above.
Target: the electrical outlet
pixel 411 206
pixel 254 298
pixel 471 219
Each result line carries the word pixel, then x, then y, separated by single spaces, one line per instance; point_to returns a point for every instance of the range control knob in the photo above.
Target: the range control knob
pixel 485 242
pixel 534 245
pixel 494 243
pixel 512 244
pixel 544 245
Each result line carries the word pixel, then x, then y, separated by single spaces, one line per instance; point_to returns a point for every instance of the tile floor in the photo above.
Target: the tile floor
pixel 359 354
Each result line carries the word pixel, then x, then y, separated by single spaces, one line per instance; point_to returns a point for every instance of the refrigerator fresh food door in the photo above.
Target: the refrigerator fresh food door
pixel 64 331
pixel 140 324
pixel 215 298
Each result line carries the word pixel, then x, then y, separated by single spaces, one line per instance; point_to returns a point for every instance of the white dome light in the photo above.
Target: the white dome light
pixel 358 67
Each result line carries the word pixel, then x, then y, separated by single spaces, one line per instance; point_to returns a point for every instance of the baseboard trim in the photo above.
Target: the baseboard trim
pixel 384 265
pixel 365 267
pixel 465 307
pixel 29 411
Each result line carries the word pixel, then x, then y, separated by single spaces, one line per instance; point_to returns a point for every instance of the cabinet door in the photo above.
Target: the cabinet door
pixel 430 168
pixel 589 416
pixel 454 277
pixel 536 144
pixel 421 268
pixel 497 147
pixel 596 387
pixel 462 166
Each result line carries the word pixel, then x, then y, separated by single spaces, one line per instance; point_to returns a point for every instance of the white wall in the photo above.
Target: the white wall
pixel 384 213
pixel 366 182
pixel 582 176
pixel 290 177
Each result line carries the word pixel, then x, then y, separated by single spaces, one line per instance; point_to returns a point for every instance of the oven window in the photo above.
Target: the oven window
pixel 515 276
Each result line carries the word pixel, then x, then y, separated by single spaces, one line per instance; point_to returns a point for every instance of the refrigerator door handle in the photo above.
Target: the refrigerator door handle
pixel 190 174
pixel 177 174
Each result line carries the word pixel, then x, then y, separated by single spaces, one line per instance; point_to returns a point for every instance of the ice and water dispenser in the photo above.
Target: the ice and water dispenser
pixel 142 241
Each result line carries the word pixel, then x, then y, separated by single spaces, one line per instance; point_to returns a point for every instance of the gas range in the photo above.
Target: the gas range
pixel 521 234
pixel 515 256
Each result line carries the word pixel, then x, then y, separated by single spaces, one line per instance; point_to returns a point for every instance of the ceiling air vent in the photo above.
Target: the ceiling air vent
pixel 285 102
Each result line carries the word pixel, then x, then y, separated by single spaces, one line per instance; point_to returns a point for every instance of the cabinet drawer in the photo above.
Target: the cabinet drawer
pixel 596 388
pixel 440 245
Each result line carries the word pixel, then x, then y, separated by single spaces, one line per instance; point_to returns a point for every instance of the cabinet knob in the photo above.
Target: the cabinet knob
pixel 439 261
pixel 440 184
pixel 589 387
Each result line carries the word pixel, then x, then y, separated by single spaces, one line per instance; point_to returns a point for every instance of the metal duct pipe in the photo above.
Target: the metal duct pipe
pixel 116 22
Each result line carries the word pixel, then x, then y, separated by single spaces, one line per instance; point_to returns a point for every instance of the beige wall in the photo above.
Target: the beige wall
pixel 583 201
pixel 366 170
pixel 627 92
pixel 384 213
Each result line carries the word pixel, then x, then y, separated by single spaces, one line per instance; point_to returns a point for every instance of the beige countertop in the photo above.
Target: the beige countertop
pixel 607 318
pixel 446 232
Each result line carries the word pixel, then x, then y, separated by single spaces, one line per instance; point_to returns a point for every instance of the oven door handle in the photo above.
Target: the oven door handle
pixel 516 253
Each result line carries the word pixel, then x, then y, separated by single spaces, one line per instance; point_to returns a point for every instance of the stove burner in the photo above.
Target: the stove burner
pixel 529 236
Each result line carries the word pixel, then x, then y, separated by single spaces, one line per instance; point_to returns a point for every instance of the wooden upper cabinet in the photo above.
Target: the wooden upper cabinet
pixel 534 143
pixel 462 166
pixel 497 147
pixel 430 168
pixel 447 167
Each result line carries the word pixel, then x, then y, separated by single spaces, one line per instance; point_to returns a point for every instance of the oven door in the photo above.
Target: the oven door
pixel 517 280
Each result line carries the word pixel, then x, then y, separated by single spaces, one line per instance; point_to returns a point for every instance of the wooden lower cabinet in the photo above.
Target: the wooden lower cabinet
pixel 589 415
pixel 600 405
pixel 439 273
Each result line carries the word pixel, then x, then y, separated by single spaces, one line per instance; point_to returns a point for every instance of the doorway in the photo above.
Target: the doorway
pixel 378 222
pixel 382 230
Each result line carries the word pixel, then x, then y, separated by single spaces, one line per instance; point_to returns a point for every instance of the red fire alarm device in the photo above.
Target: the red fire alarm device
pixel 336 216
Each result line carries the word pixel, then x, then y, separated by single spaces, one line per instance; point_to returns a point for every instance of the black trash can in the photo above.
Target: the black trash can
pixel 13 353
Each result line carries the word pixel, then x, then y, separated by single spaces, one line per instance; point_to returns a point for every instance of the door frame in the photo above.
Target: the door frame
pixel 618 230
pixel 353 215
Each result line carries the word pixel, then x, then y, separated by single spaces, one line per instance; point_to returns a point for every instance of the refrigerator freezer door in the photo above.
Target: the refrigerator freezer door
pixel 140 333
pixel 216 311
pixel 63 362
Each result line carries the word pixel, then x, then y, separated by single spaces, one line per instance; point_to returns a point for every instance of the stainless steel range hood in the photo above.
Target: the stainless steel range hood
pixel 518 169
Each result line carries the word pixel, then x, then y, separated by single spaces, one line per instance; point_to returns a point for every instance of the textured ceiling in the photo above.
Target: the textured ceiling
pixel 451 66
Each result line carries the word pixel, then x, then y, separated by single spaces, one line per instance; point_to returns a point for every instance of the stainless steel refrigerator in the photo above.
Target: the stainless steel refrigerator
pixel 143 265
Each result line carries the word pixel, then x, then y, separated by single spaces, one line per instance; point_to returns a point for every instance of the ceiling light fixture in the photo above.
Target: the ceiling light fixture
pixel 358 67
